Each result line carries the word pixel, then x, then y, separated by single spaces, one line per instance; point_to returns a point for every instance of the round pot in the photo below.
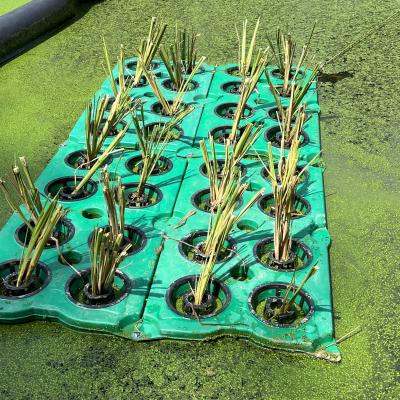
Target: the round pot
pixel 66 186
pixel 99 299
pixel 169 85
pixel 201 200
pixel 266 202
pixel 135 165
pixel 220 166
pixel 152 195
pixel 227 110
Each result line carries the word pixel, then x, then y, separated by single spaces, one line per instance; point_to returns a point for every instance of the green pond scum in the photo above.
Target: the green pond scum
pixel 43 92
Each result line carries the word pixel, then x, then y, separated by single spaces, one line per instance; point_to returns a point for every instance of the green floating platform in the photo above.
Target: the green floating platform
pixel 149 307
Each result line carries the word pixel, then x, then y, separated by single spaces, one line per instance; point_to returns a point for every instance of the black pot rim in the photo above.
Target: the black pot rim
pixel 212 131
pixel 201 232
pixel 207 190
pixel 243 168
pixel 142 80
pixel 306 174
pixel 41 265
pixel 153 106
pixel 304 201
pixel 127 227
pixel 192 279
pixel 224 86
pixel 231 103
pixel 276 73
pixel 76 152
pixel 270 239
pixel 85 273
pixel 154 65
pixel 65 221
pixel 166 83
pixel 307 116
pixel 148 186
pixel 72 178
pixel 281 285
pixel 276 129
pixel 164 159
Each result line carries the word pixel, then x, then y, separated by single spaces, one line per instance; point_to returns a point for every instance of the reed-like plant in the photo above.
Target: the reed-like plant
pixel 249 56
pixel 112 197
pixel 97 132
pixel 152 144
pixel 246 89
pixel 287 303
pixel 180 57
pixel 28 194
pixel 284 52
pixel 172 108
pixel 220 225
pixel 107 255
pixel 42 231
pixel 148 48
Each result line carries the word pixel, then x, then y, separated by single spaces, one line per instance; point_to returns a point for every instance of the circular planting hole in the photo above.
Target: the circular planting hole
pixel 247 225
pixel 133 64
pixel 276 73
pixel 233 87
pixel 272 114
pixel 168 84
pixel 191 247
pixel 304 178
pixel 300 209
pixel 78 290
pixel 201 200
pixel 151 195
pixel 78 160
pixel 8 280
pixel 274 135
pixel 300 255
pixel 220 166
pixel 234 71
pixel 266 299
pixel 92 213
pixel 132 235
pixel 221 133
pixel 71 257
pixel 129 80
pixel 227 110
pixel 180 299
pixel 157 108
pixel 65 187
pixel 177 131
pixel 116 130
pixel 63 233
pixel 135 165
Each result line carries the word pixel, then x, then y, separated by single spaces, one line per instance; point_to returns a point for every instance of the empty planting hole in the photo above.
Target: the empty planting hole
pixel 92 213
pixel 70 258
pixel 246 225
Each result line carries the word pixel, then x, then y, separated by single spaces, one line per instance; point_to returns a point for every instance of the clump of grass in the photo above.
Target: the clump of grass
pixel 148 48
pixel 180 58
pixel 152 144
pixel 42 231
pixel 28 194
pixel 112 197
pixel 222 218
pixel 107 255
pixel 96 134
pixel 172 108
pixel 249 57
pixel 284 51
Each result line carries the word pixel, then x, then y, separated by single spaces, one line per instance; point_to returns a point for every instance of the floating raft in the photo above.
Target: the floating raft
pixel 152 278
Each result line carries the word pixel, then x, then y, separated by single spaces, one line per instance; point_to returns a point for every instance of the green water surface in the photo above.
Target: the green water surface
pixel 42 94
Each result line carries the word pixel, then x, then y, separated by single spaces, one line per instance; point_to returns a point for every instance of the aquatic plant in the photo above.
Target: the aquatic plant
pixel 106 257
pixel 284 52
pixel 172 107
pixel 148 48
pixel 180 58
pixel 42 231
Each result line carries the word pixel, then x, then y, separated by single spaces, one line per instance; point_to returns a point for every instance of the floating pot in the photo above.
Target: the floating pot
pixel 133 64
pixel 63 232
pixel 179 298
pixel 157 108
pixel 129 78
pixel 222 133
pixel 303 179
pixel 301 206
pixel 201 200
pixel 168 84
pixel 227 110
pixel 132 235
pixel 220 166
pixel 135 165
pixel 8 278
pixel 151 196
pixel 66 185
pixel 276 73
pixel 77 160
pixel 274 135
pixel 191 247
pixel 78 290
pixel 266 298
